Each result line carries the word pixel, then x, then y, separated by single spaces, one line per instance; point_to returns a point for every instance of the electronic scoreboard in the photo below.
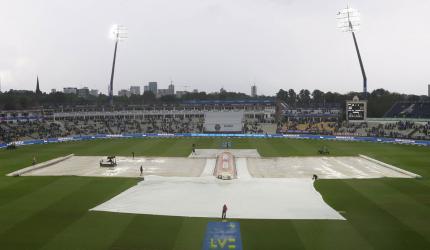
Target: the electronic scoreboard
pixel 356 110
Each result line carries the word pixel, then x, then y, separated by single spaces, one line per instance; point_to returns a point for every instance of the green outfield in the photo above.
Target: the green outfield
pixel 52 212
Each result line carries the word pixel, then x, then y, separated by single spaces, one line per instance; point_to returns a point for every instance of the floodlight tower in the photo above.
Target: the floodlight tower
pixel 349 21
pixel 118 33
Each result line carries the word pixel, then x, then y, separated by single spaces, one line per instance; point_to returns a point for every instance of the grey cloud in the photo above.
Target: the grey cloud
pixel 209 44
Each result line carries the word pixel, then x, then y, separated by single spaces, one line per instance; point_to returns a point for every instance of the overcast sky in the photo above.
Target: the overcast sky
pixel 209 44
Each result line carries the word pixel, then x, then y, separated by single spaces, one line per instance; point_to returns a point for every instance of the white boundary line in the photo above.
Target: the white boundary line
pixel 390 166
pixel 40 165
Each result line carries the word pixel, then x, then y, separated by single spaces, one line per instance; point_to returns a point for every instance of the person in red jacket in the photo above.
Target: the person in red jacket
pixel 224 211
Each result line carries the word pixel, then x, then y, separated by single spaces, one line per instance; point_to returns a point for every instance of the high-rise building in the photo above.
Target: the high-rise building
pixel 180 93
pixel 428 94
pixel 145 89
pixel 124 92
pixel 70 90
pixel 94 92
pixel 171 89
pixel 83 92
pixel 152 86
pixel 53 91
pixel 163 92
pixel 135 90
pixel 254 91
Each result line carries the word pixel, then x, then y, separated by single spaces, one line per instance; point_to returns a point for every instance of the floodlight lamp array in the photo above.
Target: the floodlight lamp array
pixel 348 20
pixel 118 32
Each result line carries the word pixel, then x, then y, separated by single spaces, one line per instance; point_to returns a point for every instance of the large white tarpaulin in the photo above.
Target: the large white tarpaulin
pixel 255 198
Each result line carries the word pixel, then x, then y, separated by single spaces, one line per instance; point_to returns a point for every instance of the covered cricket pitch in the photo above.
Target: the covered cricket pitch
pixel 265 188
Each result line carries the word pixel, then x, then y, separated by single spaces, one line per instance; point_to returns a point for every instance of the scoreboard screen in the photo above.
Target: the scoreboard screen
pixel 355 111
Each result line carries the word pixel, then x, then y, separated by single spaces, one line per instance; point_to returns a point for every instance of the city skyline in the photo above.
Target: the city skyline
pixel 205 45
pixel 140 88
pixel 135 89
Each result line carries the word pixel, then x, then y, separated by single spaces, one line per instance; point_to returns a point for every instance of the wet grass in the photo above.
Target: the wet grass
pixel 53 212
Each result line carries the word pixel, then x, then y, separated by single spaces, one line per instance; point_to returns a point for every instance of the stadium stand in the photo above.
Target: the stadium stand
pixel 409 110
pixel 262 117
pixel 399 129
pixel 319 119
pixel 327 120
pixel 188 117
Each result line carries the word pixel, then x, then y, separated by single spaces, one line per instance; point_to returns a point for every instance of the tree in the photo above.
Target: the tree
pixel 317 96
pixel 168 99
pixel 292 97
pixel 149 97
pixel 136 99
pixel 304 97
pixel 380 101
pixel 334 97
pixel 282 95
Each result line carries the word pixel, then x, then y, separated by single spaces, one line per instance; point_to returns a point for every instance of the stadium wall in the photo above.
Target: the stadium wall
pixel 291 136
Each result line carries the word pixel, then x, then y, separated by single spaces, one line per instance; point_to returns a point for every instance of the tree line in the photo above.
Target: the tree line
pixel 20 99
pixel 379 100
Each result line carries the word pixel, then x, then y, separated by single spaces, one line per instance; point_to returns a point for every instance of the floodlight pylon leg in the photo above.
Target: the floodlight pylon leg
pixel 363 72
pixel 112 74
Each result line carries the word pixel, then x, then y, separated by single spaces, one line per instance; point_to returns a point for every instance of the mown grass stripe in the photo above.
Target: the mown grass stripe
pixel 97 230
pixel 17 211
pixel 94 230
pixel 191 233
pixel 21 187
pixel 324 234
pixel 270 234
pixel 379 227
pixel 417 189
pixel 57 216
pixel 149 232
pixel 406 210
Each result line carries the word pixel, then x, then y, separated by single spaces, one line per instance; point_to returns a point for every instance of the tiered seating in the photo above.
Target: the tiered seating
pixel 308 125
pixel 24 130
pixel 28 130
pixel 409 110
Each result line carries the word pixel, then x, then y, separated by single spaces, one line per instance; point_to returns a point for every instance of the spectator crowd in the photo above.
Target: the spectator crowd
pixel 42 129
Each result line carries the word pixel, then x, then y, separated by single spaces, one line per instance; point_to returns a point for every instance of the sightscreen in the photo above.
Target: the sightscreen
pixel 230 121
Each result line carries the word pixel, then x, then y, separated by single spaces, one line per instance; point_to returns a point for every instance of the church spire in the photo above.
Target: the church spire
pixel 38 92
